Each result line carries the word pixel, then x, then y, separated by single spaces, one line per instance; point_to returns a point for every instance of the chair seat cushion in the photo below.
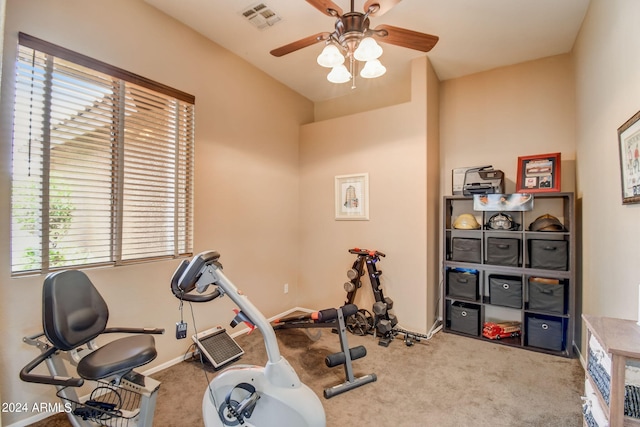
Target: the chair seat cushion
pixel 117 357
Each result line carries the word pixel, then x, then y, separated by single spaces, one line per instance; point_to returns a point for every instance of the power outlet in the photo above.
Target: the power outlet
pixel 286 288
pixel 181 330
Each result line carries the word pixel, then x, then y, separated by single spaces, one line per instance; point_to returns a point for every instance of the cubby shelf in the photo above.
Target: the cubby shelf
pixel 540 296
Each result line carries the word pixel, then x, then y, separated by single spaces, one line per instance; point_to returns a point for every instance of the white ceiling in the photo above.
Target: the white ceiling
pixel 475 35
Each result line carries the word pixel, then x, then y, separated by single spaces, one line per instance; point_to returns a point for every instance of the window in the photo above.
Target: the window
pixel 102 167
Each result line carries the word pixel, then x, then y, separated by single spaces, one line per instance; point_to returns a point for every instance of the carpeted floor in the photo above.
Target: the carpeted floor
pixel 447 381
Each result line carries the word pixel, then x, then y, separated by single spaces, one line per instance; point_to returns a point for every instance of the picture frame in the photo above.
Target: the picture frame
pixel 629 149
pixel 352 197
pixel 538 174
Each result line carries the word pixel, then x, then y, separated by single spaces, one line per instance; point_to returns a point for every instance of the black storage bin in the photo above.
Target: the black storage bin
pixel 463 284
pixel 466 250
pixel 545 333
pixel 465 318
pixel 549 254
pixel 502 251
pixel 505 291
pixel 547 296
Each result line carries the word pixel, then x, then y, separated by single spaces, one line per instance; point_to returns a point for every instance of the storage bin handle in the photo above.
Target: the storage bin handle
pixel 463 313
pixel 505 286
pixel 545 326
pixel 550 248
pixel 503 246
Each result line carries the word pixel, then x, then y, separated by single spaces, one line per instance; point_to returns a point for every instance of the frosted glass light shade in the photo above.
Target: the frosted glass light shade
pixel 373 69
pixel 330 56
pixel 339 74
pixel 367 50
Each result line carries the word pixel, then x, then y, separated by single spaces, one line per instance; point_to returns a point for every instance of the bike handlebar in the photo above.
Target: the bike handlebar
pixel 184 294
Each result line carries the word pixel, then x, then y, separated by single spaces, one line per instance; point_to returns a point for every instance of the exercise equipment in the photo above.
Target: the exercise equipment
pixel 383 320
pixel 247 395
pixel 217 346
pixel 382 323
pixel 74 315
pixel 335 319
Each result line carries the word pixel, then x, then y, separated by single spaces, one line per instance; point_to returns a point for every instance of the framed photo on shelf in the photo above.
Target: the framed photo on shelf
pixel 629 146
pixel 352 197
pixel 538 174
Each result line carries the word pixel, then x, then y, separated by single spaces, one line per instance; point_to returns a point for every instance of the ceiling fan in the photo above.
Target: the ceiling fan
pixel 353 38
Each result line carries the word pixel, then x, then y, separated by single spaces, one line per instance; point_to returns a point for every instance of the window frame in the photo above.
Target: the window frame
pixel 115 228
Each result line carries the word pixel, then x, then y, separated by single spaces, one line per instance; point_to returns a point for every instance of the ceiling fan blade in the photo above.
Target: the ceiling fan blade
pixel 299 44
pixel 385 6
pixel 406 38
pixel 325 5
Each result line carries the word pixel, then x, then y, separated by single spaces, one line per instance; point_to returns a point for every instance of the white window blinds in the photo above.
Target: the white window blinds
pixel 102 168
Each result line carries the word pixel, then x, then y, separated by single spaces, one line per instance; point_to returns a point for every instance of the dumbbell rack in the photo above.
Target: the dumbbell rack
pixel 382 322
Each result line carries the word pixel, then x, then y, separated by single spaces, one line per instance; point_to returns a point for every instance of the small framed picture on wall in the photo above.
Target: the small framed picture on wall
pixel 539 173
pixel 352 197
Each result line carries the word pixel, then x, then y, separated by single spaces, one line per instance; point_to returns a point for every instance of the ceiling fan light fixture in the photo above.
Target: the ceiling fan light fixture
pixel 372 69
pixel 367 50
pixel 339 74
pixel 330 56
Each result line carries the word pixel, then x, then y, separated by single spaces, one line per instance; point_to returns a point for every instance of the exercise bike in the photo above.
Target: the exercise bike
pixel 73 315
pixel 247 395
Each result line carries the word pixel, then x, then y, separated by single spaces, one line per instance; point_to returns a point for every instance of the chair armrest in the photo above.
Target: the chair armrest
pixel 155 331
pixel 27 376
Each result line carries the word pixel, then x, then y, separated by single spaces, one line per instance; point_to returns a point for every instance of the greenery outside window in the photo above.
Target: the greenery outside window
pixel 102 164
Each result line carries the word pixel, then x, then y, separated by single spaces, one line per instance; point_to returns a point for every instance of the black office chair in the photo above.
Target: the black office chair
pixel 74 314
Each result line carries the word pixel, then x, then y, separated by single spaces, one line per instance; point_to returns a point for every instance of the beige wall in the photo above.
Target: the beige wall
pixel 493 117
pixel 391 145
pixel 608 93
pixel 370 94
pixel 246 199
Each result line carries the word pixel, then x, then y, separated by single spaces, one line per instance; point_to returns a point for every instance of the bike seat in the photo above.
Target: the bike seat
pixel 118 357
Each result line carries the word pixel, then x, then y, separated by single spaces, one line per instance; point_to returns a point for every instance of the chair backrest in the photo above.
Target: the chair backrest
pixel 73 311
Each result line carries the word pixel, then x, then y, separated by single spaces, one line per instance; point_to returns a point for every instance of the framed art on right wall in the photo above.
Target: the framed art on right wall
pixel 629 146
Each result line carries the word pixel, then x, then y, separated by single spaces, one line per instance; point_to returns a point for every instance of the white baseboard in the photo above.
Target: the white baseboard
pixel 41 416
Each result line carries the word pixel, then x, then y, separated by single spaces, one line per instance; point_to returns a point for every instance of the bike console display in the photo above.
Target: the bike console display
pixel 185 278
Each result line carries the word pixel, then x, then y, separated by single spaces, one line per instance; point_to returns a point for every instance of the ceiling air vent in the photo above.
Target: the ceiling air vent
pixel 261 16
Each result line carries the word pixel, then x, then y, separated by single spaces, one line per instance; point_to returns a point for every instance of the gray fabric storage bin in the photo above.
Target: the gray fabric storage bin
pixel 503 251
pixel 545 333
pixel 547 297
pixel 465 318
pixel 462 284
pixel 466 250
pixel 505 291
pixel 549 254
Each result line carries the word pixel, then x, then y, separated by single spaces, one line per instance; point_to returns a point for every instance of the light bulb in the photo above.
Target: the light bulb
pixel 367 50
pixel 339 74
pixel 330 56
pixel 372 69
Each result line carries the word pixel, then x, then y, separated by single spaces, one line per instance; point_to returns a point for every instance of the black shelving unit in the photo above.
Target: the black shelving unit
pixel 541 299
